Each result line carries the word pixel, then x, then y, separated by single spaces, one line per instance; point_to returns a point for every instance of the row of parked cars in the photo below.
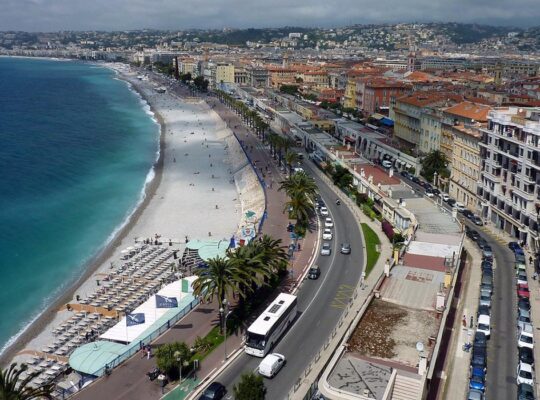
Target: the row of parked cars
pixel 327 234
pixel 525 328
pixel 478 367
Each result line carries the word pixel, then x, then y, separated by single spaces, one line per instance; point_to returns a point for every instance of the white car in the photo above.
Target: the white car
pixel 326 249
pixel 444 196
pixel 328 223
pixel 526 336
pixel 324 211
pixel 327 234
pixel 271 364
pixel 525 374
pixel 484 325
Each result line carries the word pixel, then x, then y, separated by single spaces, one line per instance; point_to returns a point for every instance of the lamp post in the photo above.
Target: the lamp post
pixel 225 314
pixel 178 357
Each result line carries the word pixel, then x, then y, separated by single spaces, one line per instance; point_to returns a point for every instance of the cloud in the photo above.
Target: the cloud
pixel 53 15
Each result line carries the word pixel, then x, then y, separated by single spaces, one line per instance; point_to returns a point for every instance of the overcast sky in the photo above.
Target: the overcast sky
pixel 54 15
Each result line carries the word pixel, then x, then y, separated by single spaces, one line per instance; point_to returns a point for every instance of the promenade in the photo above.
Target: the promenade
pixel 129 381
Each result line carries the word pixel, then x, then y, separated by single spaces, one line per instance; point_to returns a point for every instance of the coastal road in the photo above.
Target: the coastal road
pixel 502 347
pixel 320 303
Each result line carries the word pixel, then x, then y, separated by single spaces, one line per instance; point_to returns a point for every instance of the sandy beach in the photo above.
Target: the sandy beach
pixel 203 186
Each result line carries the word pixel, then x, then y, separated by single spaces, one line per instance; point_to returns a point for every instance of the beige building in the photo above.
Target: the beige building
pixel 224 73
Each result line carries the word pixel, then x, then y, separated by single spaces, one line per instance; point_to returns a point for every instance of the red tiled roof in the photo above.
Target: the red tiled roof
pixel 424 262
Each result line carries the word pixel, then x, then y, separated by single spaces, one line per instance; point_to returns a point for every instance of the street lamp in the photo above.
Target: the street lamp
pixel 178 357
pixel 224 315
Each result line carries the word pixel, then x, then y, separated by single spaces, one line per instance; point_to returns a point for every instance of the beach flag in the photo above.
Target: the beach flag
pixel 135 319
pixel 166 302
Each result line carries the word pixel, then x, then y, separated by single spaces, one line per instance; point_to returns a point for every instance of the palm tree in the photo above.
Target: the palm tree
pixel 250 261
pixel 273 253
pixel 291 158
pixel 13 388
pixel 300 183
pixel 299 208
pixel 220 279
pixel 435 161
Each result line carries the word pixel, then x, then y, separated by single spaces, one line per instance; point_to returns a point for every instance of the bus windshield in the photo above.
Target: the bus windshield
pixel 255 341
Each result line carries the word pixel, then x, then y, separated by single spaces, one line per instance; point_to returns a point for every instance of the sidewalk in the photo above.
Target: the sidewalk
pixel 129 381
pixel 457 367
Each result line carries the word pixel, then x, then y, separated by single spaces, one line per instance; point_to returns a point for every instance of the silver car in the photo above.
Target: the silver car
pixel 326 250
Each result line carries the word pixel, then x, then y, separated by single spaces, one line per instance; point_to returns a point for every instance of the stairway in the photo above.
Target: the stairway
pixel 406 388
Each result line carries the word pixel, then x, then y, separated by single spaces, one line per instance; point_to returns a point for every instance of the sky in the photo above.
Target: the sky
pixel 55 15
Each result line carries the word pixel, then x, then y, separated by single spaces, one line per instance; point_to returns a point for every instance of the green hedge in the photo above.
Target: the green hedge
pixel 372 240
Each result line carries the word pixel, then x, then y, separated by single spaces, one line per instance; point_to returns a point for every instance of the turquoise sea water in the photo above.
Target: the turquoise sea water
pixel 76 150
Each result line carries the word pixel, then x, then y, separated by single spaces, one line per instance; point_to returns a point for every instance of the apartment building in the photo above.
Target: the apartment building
pixel 510 180
pixel 374 94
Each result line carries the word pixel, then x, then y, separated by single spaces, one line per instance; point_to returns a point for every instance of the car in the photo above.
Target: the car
pixel 271 365
pixel 488 271
pixel 525 392
pixel 519 252
pixel 475 394
pixel 429 193
pixel 513 246
pixel 524 317
pixel 405 174
pixel 524 373
pixel 484 325
pixel 480 339
pixel 478 379
pixel 523 291
pixel 474 235
pixel 477 220
pixel 327 234
pixel 479 357
pixel 483 310
pixel 481 243
pixel 345 248
pixel 526 336
pixel 460 207
pixel 520 268
pixel 314 272
pixel 415 179
pixel 215 391
pixel 524 304
pixel 444 197
pixel 521 278
pixel 487 253
pixel 485 299
pixel 323 211
pixel 526 354
pixel 486 287
pixel 436 191
pixel 467 214
pixel 328 223
pixel 326 249
pixel 520 258
pixel 487 264
pixel 451 202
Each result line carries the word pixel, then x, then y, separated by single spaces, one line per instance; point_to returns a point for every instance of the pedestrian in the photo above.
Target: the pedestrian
pixel 530 260
pixel 464 321
pixel 535 275
pixel 149 354
pixel 471 324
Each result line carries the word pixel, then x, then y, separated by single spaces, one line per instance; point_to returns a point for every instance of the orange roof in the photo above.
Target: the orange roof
pixel 425 98
pixel 418 76
pixel 466 109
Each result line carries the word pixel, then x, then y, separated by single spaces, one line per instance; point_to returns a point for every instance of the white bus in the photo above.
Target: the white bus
pixel 268 328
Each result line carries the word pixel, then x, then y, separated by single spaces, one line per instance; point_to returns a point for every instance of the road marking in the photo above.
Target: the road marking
pixel 343 296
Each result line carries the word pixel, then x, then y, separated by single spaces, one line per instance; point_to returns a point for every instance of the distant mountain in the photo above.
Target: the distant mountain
pixel 472 33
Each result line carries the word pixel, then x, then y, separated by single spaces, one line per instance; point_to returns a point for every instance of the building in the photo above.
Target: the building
pixel 510 179
pixel 224 73
pixel 316 79
pixel 258 76
pixel 241 76
pixel 188 66
pixel 374 94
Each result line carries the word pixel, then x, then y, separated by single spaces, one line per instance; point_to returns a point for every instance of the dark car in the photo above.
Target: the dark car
pixel 513 246
pixel 481 243
pixel 314 272
pixel 451 202
pixel 436 192
pixel 483 310
pixel 478 379
pixel 524 304
pixel 480 339
pixel 215 391
pixel 468 214
pixel 479 357
pixel 477 220
pixel 405 174
pixel 474 235
pixel 415 179
pixel 520 258
pixel 526 355
pixel 525 392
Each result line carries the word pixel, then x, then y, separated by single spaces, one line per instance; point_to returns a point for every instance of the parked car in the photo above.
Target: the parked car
pixel 513 246
pixel 415 179
pixel 484 325
pixel 271 364
pixel 481 243
pixel 526 336
pixel 436 191
pixel 445 197
pixel 326 250
pixel 480 339
pixel 485 299
pixel 451 202
pixel 216 391
pixel 521 278
pixel 468 214
pixel 429 193
pixel 483 310
pixel 328 223
pixel 524 317
pixel 474 235
pixel 323 211
pixel 479 357
pixel 520 258
pixel 524 304
pixel 327 234
pixel 487 253
pixel 405 174
pixel 475 394
pixel 314 272
pixel 345 248
pixel 477 220
pixel 460 207
pixel 525 392
pixel 478 379
pixel 524 373
pixel 526 355
pixel 523 291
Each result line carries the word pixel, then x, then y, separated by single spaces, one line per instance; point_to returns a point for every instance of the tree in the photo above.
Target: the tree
pixel 167 356
pixel 289 89
pixel 12 387
pixel 250 387
pixel 220 278
pixel 200 83
pixel 301 190
pixel 435 161
pixel 291 158
pixel 342 177
pixel 185 77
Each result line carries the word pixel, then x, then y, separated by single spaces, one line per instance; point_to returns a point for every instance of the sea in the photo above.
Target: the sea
pixel 77 147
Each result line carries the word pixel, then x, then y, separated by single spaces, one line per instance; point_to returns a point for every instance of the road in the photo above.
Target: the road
pixel 502 347
pixel 320 304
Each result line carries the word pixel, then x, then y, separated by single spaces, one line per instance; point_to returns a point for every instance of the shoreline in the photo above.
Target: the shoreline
pixel 38 325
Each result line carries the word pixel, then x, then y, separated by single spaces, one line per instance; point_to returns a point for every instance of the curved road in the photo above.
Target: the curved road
pixel 320 304
pixel 502 347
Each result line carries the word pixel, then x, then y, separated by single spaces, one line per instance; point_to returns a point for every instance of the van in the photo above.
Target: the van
pixel 484 325
pixel 386 164
pixel 271 364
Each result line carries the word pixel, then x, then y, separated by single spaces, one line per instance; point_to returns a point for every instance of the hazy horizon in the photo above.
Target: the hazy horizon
pixel 119 15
